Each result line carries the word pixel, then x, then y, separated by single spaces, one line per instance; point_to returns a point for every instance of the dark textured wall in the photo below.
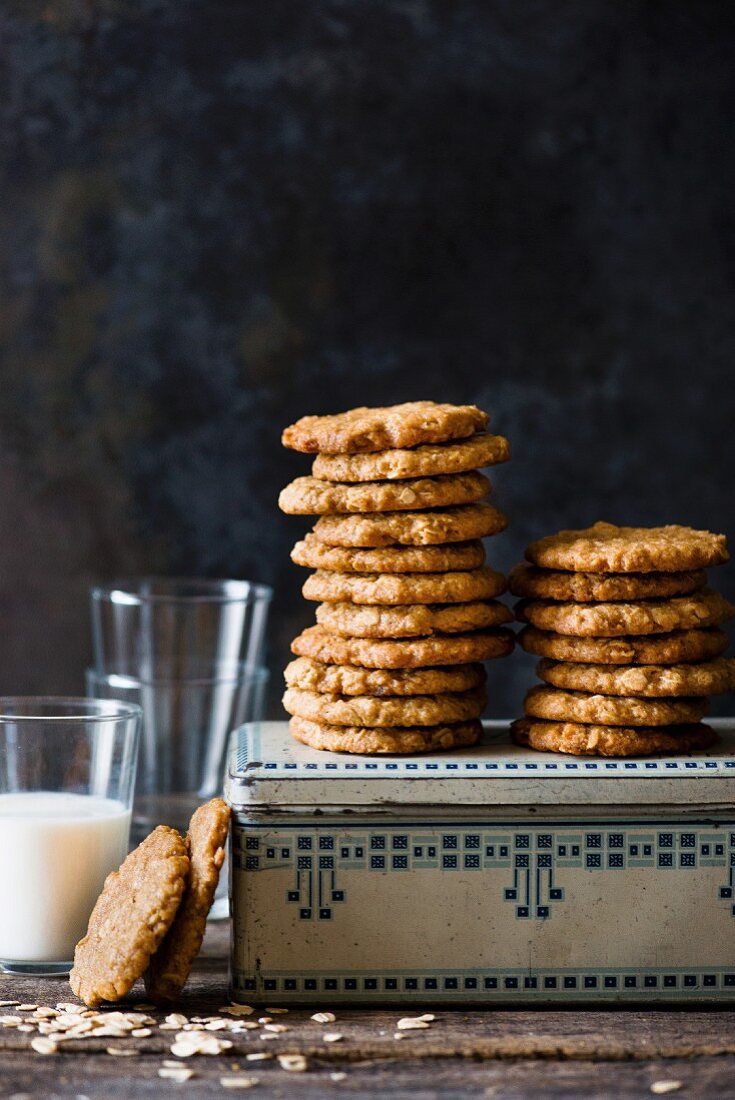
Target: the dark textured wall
pixel 219 216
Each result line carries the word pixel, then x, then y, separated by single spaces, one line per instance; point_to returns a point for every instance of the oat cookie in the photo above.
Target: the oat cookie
pixel 310 675
pixel 610 710
pixel 427 461
pixel 394 588
pixel 605 548
pixel 609 620
pixel 411 620
pixel 550 584
pixel 661 649
pixel 363 430
pixel 467 521
pixel 389 559
pixel 647 681
pixel 132 915
pixel 371 711
pixel 582 740
pixel 206 840
pixel 306 496
pixel 446 649
pixel 396 739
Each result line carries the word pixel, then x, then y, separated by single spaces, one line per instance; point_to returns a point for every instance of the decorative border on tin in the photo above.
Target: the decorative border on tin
pixel 249 757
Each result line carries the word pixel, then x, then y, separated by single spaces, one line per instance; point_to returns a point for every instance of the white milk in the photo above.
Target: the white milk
pixel 55 851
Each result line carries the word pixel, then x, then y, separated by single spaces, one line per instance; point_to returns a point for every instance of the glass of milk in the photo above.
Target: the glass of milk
pixel 67 773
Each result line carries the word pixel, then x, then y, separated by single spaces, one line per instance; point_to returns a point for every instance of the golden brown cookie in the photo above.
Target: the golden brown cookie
pixel 551 584
pixel 663 649
pixel 427 461
pixel 388 559
pixel 206 840
pixel 610 620
pixel 372 711
pixel 132 915
pixel 358 739
pixel 467 521
pixel 446 649
pixel 310 675
pixel 308 497
pixel 610 710
pixel 581 740
pixel 363 430
pixel 647 681
pixel 605 548
pixel 396 588
pixel 410 621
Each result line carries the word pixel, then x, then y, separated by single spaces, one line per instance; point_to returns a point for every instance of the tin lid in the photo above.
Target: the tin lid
pixel 268 768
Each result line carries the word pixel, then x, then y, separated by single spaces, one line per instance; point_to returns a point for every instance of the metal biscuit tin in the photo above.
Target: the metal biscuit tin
pixel 493 873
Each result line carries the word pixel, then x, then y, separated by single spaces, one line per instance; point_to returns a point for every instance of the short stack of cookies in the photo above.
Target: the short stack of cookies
pixel 629 637
pixel 407 609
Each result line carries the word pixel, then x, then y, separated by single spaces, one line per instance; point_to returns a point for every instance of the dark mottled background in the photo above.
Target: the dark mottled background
pixel 219 216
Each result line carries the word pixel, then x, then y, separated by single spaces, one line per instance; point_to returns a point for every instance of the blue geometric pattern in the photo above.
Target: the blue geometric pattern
pixel 535 858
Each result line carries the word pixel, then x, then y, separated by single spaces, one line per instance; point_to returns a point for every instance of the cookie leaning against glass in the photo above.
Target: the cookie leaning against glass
pixel 405 600
pixel 616 613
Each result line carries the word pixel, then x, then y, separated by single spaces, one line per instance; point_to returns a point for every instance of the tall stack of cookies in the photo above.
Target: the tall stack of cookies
pixel 629 638
pixel 407 609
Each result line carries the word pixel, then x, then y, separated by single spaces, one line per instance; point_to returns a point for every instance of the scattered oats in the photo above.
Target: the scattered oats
pixel 169 1027
pixel 662 1087
pixel 10 1021
pixel 177 1018
pixel 238 1010
pixel 66 1006
pixel 179 1075
pixel 277 1028
pixel 141 1032
pixel 267 1035
pixel 293 1063
pixel 277 1011
pixel 123 1052
pixel 26 1027
pixel 143 1007
pixel 191 1027
pixel 258 1056
pixel 399 1035
pixel 332 1037
pixel 238 1082
pixel 200 1019
pixel 27 1008
pixel 46 1013
pixel 324 1017
pixel 183 1050
pixel 8 1004
pixel 412 1023
pixel 217 1025
pixel 428 1017
pixel 337 1076
pixel 44 1046
pixel 265 1019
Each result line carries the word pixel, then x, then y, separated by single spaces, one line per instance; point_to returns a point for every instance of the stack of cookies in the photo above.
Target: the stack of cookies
pixel 406 606
pixel 629 636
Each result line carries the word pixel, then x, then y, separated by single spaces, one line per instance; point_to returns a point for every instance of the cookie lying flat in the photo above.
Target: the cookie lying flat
pixel 362 430
pixel 307 496
pixel 426 461
pixel 411 620
pixel 610 710
pixel 581 740
pixel 310 675
pixel 605 548
pixel 132 915
pixel 446 649
pixel 609 620
pixel 550 584
pixel 170 965
pixel 395 740
pixel 394 588
pixel 372 711
pixel 662 649
pixel 648 681
pixel 467 521
pixel 388 559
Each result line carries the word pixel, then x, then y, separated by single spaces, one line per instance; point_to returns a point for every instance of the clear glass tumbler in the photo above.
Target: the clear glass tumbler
pixel 142 625
pixel 67 774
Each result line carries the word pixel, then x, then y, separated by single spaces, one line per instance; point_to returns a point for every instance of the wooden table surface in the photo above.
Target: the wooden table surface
pixel 474 1053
